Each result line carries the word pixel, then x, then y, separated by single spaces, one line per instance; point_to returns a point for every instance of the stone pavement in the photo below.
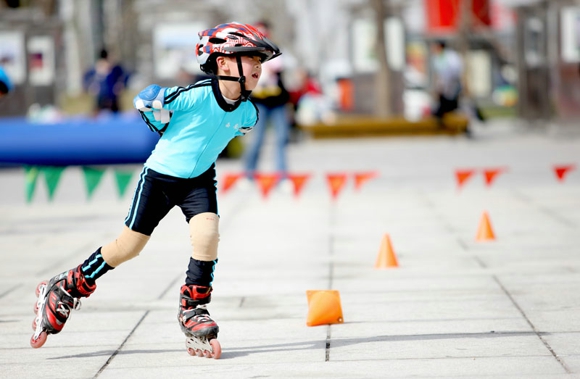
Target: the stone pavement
pixel 454 308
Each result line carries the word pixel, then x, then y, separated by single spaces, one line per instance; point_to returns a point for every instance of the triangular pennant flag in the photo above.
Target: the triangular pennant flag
pixel 362 177
pixel 266 182
pixel 93 177
pixel 336 182
pixel 298 181
pixel 462 175
pixel 30 178
pixel 229 180
pixel 562 170
pixel 122 178
pixel 324 307
pixel 491 174
pixel 52 176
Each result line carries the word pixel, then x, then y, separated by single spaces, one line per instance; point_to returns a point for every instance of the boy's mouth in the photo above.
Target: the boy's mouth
pixel 255 75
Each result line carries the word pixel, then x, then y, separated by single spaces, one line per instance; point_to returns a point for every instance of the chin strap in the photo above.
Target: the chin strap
pixel 241 79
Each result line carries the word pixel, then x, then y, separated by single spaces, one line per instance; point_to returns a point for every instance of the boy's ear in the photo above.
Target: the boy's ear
pixel 222 63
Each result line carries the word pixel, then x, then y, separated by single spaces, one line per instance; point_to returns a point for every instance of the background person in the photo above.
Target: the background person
pixel 272 99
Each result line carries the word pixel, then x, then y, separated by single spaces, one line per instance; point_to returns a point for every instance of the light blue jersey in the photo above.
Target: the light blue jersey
pixel 202 124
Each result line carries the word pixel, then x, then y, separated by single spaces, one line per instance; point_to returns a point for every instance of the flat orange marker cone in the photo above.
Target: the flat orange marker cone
pixel 324 308
pixel 298 180
pixel 491 174
pixel 461 176
pixel 230 180
pixel 362 177
pixel 561 171
pixel 266 182
pixel 336 183
pixel 386 257
pixel 485 232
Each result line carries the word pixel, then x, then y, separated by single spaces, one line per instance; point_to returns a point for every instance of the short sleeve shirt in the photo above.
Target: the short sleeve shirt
pixel 201 126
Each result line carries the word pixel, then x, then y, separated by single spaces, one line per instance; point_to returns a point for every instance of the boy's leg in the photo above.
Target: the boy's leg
pixel 282 128
pixel 200 210
pixel 61 294
pixel 195 294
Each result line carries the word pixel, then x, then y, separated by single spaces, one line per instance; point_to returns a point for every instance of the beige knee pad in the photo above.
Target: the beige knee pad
pixel 127 246
pixel 204 234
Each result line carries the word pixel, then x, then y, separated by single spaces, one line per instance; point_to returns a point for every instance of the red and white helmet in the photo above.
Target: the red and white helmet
pixel 231 39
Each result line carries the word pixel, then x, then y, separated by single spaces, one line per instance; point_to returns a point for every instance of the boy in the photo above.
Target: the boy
pixel 195 123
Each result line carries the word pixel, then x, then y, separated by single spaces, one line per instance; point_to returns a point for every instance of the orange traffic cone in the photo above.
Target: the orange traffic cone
pixel 485 232
pixel 324 308
pixel 386 257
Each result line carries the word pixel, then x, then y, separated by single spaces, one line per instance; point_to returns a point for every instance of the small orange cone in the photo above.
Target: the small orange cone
pixel 386 257
pixel 485 232
pixel 324 308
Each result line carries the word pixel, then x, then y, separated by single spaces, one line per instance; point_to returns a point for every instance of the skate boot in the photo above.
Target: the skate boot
pixel 55 301
pixel 201 331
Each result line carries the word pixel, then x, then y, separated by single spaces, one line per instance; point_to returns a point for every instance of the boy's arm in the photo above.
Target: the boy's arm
pixel 149 103
pixel 156 125
pixel 155 98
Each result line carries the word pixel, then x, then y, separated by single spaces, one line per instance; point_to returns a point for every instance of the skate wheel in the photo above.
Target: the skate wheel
pixel 217 349
pixel 36 343
pixel 39 288
pixel 34 324
pixel 199 353
pixel 191 352
pixel 36 308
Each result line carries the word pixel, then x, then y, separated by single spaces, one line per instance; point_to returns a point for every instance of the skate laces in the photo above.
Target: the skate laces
pixel 76 303
pixel 200 314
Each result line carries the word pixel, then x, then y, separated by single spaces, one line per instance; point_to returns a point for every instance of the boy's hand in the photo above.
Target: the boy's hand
pixel 162 115
pixel 151 98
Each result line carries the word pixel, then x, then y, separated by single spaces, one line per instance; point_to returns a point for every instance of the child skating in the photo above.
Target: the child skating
pixel 195 123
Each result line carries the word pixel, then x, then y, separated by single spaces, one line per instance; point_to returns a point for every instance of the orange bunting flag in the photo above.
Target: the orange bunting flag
pixel 230 180
pixel 336 182
pixel 362 177
pixel 298 181
pixel 561 171
pixel 267 182
pixel 462 175
pixel 491 174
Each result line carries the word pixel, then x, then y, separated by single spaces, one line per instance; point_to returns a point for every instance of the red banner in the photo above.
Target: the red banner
pixel 443 16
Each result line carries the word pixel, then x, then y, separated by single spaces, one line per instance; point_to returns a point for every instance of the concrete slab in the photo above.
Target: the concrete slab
pixel 454 308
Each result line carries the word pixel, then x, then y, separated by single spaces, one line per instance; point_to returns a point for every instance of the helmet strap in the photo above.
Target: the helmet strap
pixel 245 94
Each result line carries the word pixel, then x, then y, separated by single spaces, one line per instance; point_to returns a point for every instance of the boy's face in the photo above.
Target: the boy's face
pixel 252 67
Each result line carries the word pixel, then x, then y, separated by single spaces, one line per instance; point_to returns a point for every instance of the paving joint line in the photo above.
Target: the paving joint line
pixel 536 332
pixel 120 346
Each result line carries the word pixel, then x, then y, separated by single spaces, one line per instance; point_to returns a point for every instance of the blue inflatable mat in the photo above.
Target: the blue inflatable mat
pixel 76 141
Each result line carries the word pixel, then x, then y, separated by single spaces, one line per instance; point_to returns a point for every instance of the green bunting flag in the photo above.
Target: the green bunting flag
pixel 122 177
pixel 52 177
pixel 93 177
pixel 30 179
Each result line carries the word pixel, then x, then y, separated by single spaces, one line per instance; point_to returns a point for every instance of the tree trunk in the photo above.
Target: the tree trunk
pixel 383 103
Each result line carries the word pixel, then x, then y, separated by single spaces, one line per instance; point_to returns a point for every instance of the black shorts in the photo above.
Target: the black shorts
pixel 156 194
